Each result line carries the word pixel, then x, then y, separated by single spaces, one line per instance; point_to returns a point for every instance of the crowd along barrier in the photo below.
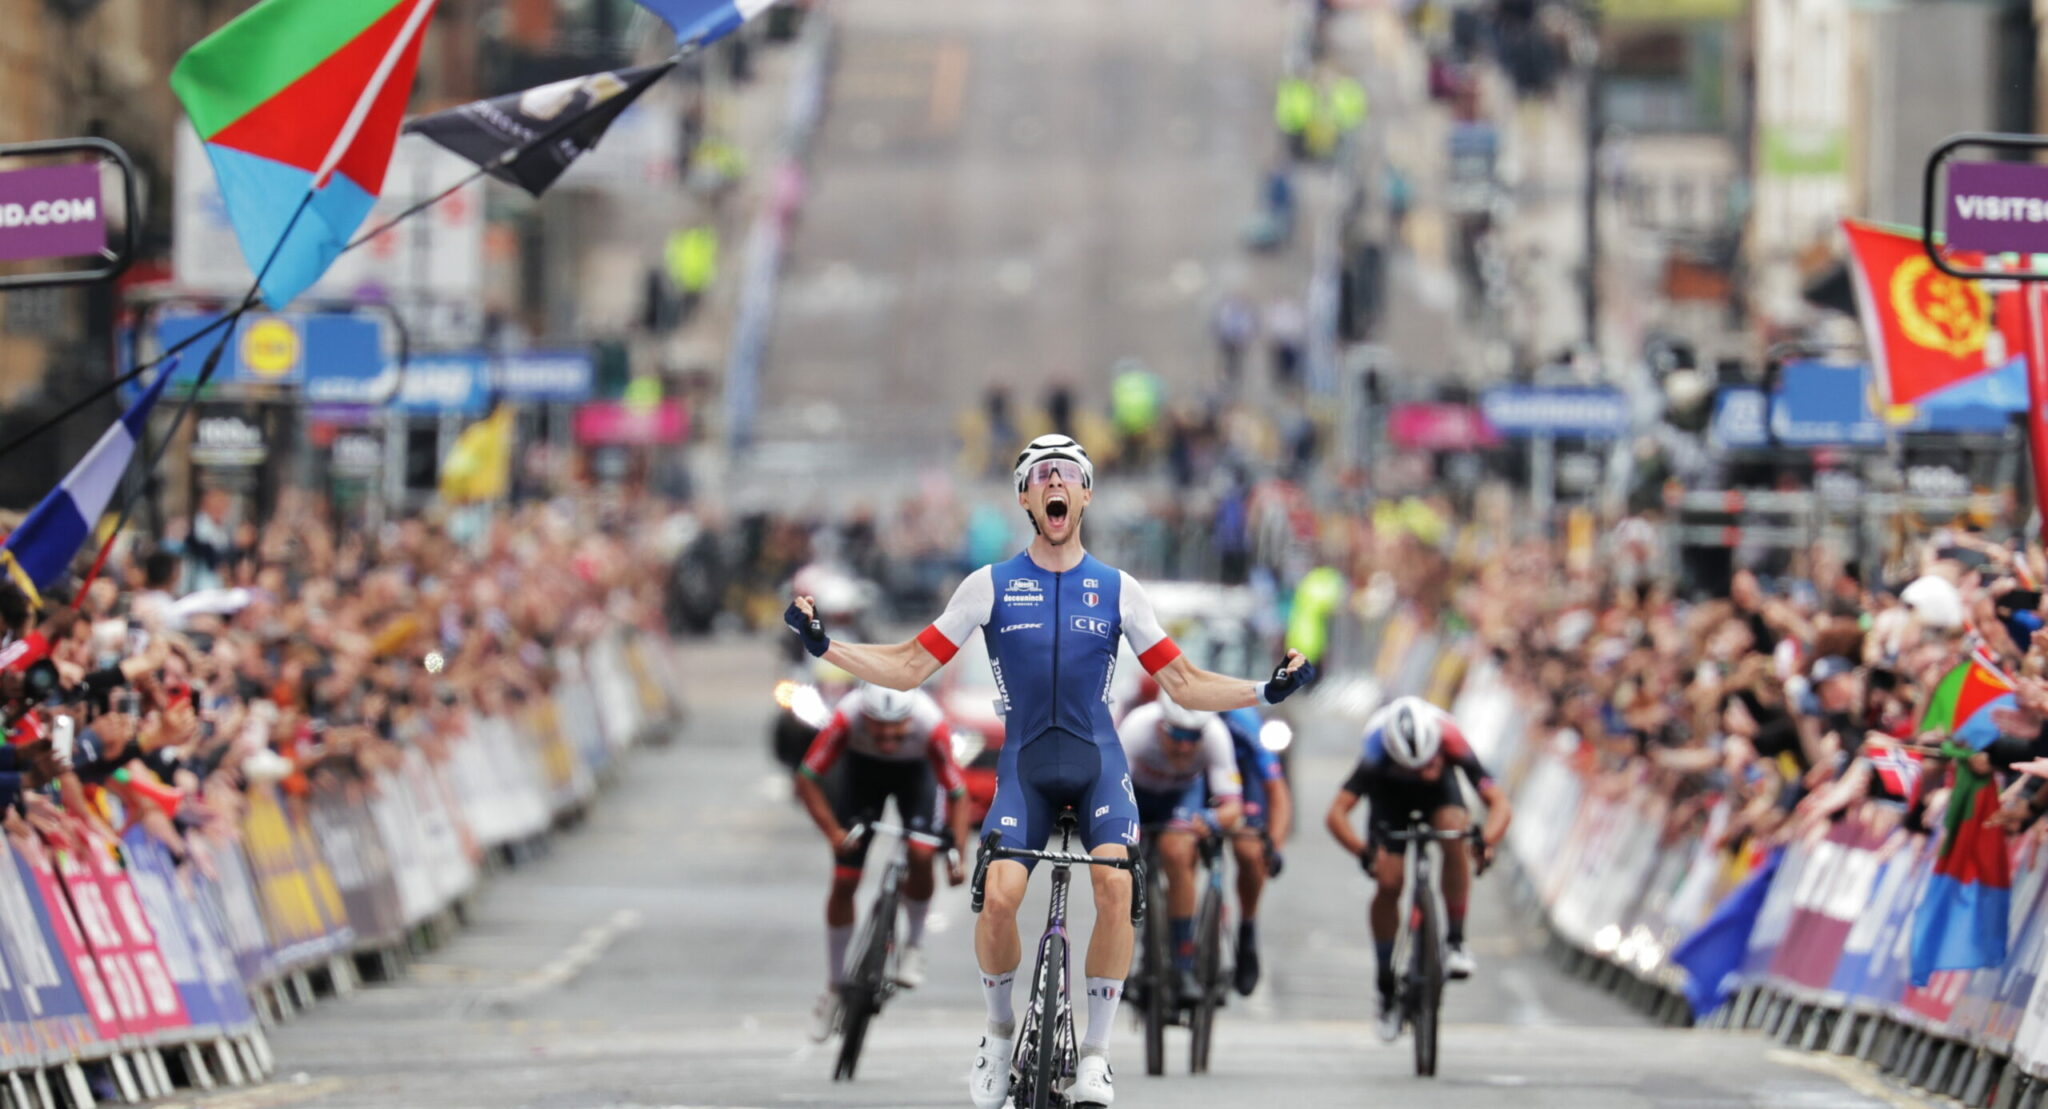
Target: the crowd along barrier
pixel 121 967
pixel 1621 875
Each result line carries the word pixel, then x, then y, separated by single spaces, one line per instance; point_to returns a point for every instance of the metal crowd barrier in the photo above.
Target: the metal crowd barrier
pixel 168 975
pixel 1619 876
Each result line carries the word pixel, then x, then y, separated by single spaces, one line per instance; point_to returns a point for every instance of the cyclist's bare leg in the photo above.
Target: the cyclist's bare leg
pixel 995 930
pixel 1457 869
pixel 995 942
pixel 917 881
pixel 1177 859
pixel 1388 871
pixel 1251 874
pixel 917 894
pixel 1109 946
pixel 839 903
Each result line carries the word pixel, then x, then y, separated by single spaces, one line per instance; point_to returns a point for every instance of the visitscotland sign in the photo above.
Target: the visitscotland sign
pixel 51 212
pixel 1997 207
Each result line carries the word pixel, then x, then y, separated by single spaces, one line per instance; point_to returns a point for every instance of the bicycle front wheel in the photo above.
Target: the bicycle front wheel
pixel 1427 982
pixel 1045 999
pixel 860 998
pixel 1158 988
pixel 1209 974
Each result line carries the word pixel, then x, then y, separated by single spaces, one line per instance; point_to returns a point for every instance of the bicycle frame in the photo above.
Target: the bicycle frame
pixel 1050 998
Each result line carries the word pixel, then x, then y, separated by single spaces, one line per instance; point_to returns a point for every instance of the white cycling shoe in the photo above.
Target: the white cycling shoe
pixel 1091 1083
pixel 910 968
pixel 1459 963
pixel 988 1084
pixel 825 1016
pixel 1389 1026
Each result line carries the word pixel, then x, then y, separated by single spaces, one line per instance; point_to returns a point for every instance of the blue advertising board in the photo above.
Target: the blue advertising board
pixel 289 348
pixel 1521 411
pixel 546 376
pixel 434 384
pixel 1742 419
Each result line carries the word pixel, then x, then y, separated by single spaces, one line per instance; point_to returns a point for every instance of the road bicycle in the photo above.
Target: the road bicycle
pixel 871 981
pixel 1045 1057
pixel 1420 946
pixel 1157 988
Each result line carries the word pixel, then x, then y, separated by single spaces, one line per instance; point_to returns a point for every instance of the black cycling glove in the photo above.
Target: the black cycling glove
pixel 1284 683
pixel 809 629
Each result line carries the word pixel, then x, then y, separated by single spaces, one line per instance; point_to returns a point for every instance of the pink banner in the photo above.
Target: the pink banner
pixel 611 424
pixel 1439 427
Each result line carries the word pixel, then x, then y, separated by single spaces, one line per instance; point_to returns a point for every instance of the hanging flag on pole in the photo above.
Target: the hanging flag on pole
pixel 571 115
pixel 39 551
pixel 299 103
pixel 705 21
pixel 1927 332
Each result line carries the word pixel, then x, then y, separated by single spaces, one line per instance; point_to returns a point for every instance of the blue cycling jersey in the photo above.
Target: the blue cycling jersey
pixel 1052 638
pixel 1254 761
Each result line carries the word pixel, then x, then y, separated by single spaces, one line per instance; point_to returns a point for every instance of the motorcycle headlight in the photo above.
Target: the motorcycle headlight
pixel 1276 736
pixel 967 746
pixel 806 705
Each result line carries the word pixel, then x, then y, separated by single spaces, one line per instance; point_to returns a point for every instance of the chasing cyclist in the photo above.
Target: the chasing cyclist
pixel 1268 810
pixel 1051 617
pixel 896 745
pixel 1184 779
pixel 1411 749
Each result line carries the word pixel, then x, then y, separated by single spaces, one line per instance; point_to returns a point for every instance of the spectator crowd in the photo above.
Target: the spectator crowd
pixel 310 650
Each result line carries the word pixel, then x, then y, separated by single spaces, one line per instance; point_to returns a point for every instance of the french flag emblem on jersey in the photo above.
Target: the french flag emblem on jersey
pixel 1091 599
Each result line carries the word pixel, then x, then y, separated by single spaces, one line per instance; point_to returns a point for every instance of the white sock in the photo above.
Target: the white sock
pixel 1103 994
pixel 914 913
pixel 1002 1018
pixel 837 939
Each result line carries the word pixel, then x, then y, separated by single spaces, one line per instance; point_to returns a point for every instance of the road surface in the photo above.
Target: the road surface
pixel 667 953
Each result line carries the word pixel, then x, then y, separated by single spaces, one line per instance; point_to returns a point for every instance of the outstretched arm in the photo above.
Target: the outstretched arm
pixel 903 665
pixel 1198 689
pixel 1189 685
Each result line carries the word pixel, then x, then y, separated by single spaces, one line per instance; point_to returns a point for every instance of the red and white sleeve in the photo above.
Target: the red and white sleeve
pixel 969 609
pixel 1154 648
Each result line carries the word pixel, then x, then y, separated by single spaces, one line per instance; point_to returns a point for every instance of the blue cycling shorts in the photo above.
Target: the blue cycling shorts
pixel 1055 769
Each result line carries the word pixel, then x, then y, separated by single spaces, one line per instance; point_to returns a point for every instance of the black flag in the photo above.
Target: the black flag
pixel 504 134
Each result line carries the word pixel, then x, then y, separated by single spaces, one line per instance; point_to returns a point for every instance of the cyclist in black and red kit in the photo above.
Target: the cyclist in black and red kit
pixel 1411 749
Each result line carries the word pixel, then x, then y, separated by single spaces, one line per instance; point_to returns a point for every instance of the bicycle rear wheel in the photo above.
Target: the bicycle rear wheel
pixel 1158 985
pixel 1209 974
pixel 1426 979
pixel 860 997
pixel 1044 1069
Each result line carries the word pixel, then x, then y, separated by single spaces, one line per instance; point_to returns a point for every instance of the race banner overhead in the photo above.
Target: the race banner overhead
pixel 488 131
pixel 1997 207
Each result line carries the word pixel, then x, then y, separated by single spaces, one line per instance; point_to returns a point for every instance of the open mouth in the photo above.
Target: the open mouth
pixel 1056 508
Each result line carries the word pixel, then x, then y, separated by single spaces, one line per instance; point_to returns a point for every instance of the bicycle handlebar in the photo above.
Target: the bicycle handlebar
pixel 861 831
pixel 992 850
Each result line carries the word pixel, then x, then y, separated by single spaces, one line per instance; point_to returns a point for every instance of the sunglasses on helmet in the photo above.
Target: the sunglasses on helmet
pixel 1070 472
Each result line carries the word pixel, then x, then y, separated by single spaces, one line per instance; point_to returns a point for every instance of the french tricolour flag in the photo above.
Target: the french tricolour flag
pixel 42 547
pixel 705 21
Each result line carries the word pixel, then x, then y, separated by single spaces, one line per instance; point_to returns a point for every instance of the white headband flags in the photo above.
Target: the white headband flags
pixel 705 21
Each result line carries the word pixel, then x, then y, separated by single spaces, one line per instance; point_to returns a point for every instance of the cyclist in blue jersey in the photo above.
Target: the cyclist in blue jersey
pixel 1051 618
pixel 1268 809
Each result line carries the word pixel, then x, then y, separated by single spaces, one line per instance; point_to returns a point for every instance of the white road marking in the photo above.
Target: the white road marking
pixel 578 956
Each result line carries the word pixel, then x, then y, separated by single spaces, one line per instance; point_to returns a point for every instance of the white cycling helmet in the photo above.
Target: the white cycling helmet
pixel 885 705
pixel 1175 715
pixel 1412 733
pixel 1053 446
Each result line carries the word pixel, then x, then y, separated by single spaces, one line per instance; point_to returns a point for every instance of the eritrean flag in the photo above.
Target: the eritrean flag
pixel 296 97
pixel 1960 923
pixel 1961 706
